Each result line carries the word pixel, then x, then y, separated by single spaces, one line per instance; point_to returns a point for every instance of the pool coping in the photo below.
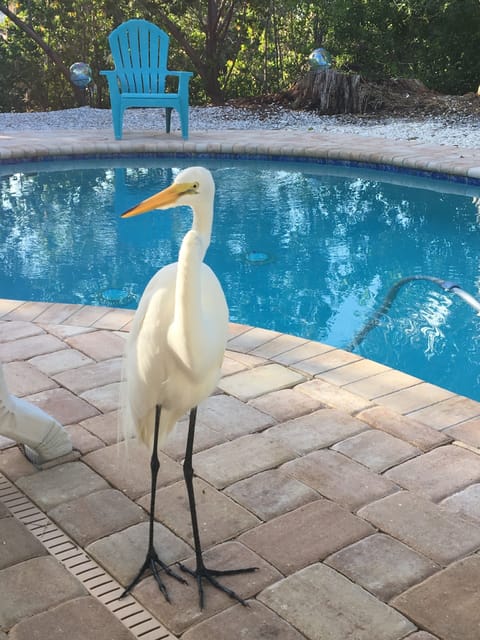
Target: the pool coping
pixel 408 155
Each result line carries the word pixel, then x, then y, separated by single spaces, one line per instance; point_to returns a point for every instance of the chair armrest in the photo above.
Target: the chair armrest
pixel 183 79
pixel 109 74
pixel 176 73
pixel 113 85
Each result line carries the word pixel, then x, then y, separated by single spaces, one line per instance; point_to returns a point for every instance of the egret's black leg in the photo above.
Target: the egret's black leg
pixel 201 572
pixel 152 561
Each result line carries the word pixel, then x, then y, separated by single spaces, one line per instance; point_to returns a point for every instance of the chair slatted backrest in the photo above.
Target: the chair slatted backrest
pixel 140 53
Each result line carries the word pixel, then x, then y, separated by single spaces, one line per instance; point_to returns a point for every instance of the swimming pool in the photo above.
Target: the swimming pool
pixel 303 249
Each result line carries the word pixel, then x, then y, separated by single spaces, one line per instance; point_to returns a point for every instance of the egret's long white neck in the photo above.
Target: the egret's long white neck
pixel 187 331
pixel 202 223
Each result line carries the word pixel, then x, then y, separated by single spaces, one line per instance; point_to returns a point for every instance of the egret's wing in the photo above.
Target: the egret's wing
pixel 142 373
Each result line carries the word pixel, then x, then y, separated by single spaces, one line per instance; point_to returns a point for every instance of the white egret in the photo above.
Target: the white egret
pixel 175 351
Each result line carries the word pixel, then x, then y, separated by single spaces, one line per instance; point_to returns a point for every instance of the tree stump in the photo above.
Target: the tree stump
pixel 330 92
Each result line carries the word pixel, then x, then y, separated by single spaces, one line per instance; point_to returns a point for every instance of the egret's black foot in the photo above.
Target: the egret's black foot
pixel 155 565
pixel 201 573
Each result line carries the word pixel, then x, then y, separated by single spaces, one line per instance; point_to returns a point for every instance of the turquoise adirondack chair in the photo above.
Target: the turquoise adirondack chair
pixel 140 53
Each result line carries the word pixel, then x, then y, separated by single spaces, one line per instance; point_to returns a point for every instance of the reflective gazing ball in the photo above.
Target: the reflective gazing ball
pixel 80 74
pixel 320 59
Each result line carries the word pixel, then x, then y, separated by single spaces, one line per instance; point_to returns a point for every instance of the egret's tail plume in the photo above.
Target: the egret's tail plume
pixel 384 308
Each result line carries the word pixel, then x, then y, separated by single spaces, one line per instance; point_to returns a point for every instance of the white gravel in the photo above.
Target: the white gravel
pixel 461 131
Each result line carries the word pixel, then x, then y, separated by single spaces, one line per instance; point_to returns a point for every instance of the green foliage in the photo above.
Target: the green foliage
pixel 432 40
pixel 243 47
pixel 76 30
pixel 278 39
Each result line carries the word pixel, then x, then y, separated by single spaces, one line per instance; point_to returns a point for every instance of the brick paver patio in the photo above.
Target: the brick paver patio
pixel 354 488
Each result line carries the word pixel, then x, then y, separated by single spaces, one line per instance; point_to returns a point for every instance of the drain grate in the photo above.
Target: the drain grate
pixel 95 579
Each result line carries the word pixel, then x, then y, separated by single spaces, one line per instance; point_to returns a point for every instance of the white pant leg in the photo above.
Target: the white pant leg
pixel 25 423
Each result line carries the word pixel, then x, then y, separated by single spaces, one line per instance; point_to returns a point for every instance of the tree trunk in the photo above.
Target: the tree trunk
pixel 331 92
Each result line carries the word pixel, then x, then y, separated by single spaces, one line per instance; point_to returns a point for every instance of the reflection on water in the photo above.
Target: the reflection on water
pixel 334 244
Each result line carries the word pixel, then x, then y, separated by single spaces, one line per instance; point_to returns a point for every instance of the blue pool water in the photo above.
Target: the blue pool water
pixel 303 249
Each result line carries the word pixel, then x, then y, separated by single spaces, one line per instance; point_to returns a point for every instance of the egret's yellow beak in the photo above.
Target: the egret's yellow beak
pixel 162 199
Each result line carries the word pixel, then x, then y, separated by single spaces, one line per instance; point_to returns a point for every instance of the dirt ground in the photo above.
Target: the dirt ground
pixel 410 97
pixel 396 98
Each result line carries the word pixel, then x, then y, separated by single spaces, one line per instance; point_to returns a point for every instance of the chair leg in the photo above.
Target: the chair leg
pixel 117 116
pixel 184 122
pixel 168 118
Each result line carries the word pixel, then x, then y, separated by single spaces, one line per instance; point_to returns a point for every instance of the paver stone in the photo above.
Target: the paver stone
pixel 339 478
pixel 233 461
pixel 448 413
pixel 316 430
pixel 32 577
pixel 321 604
pixel 252 339
pixel 60 484
pixel 261 380
pixel 17 544
pixel 286 404
pixel 26 348
pixel 306 535
pixel 333 396
pixel 332 359
pixel 467 432
pixel 438 473
pixel 261 623
pixel 382 384
pixel 424 526
pixel 58 361
pixel 219 517
pixel 123 553
pixel 106 398
pixel 82 440
pixel 205 438
pixel 105 426
pixel 13 330
pixel 230 417
pixel 416 433
pixel 126 466
pixel 99 345
pixel 23 379
pixel 271 493
pixel 305 351
pixel 97 515
pixel 91 376
pixel 376 449
pixel 79 619
pixel 63 405
pixel 25 311
pixel 56 313
pixel 382 565
pixel 420 396
pixel 465 503
pixel 447 603
pixel 14 464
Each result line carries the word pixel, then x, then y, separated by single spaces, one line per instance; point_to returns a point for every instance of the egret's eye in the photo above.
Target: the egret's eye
pixel 192 188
